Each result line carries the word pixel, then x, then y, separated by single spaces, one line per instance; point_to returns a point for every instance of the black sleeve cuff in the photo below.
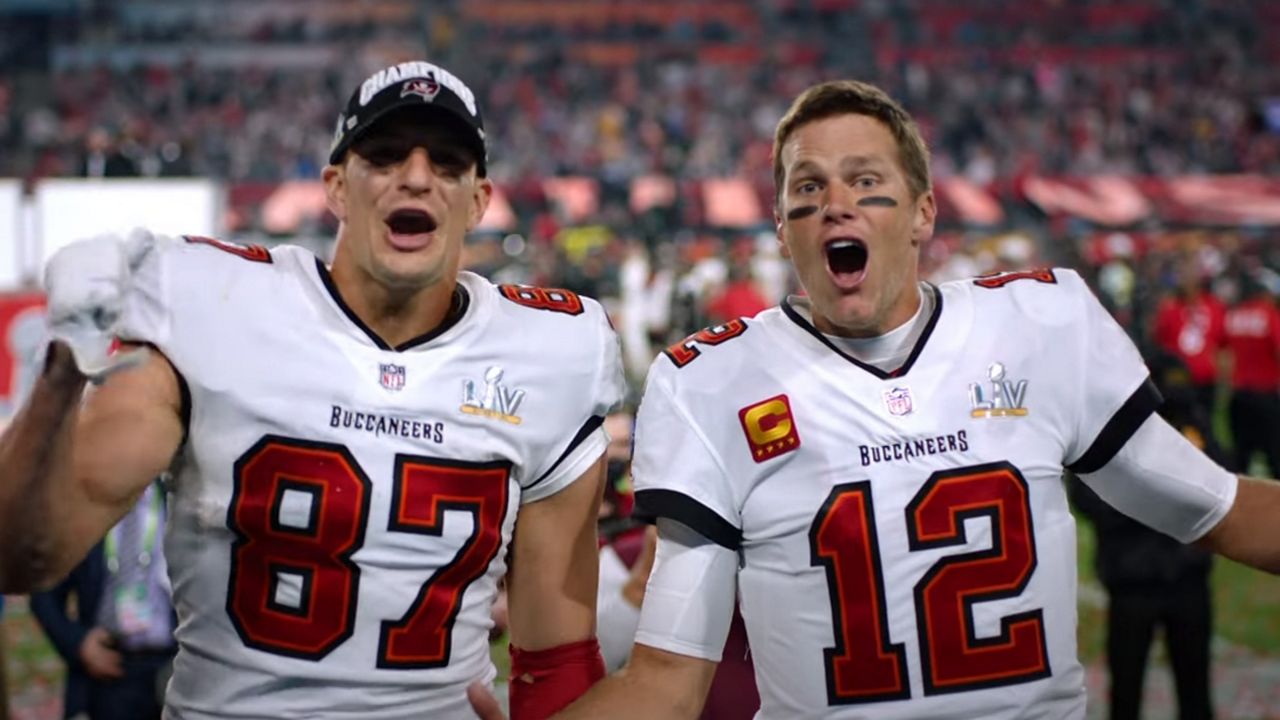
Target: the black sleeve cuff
pixel 653 504
pixel 1141 404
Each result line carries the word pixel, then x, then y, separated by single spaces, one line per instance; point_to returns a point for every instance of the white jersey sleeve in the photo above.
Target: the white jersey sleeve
pixel 1133 460
pixel 1160 479
pixel 1114 393
pixel 684 484
pixel 677 470
pixel 604 392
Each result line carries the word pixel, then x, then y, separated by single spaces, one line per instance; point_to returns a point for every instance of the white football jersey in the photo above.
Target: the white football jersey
pixel 341 509
pixel 907 550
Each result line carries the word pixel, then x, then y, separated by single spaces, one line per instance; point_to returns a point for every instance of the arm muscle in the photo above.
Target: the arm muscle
pixel 555 566
pixel 72 463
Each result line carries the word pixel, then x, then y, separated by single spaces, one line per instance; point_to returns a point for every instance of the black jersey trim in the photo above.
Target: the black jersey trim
pixel 184 393
pixel 458 306
pixel 808 327
pixel 590 426
pixel 1123 424
pixel 674 505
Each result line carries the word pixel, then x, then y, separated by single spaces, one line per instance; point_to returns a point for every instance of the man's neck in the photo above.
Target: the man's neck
pixel 397 315
pixel 890 350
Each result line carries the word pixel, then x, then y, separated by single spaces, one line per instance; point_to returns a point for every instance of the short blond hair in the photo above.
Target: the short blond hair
pixel 851 97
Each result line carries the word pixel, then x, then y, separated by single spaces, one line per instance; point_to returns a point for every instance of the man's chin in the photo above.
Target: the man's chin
pixel 845 316
pixel 398 274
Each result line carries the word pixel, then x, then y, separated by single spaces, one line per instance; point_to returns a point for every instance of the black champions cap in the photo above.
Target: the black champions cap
pixel 409 84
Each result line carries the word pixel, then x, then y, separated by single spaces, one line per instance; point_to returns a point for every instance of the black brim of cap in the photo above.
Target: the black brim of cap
pixel 466 130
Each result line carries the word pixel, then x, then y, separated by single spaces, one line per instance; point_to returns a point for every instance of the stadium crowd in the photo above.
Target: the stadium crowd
pixel 579 88
pixel 618 91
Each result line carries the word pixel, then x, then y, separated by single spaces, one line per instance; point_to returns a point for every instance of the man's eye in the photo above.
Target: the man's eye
pixel 805 188
pixel 450 162
pixel 382 155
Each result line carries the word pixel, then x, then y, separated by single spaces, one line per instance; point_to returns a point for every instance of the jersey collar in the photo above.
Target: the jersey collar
pixel 798 317
pixel 457 311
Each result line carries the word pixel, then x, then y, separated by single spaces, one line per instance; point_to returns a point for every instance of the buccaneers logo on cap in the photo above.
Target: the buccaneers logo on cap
pixel 425 87
pixel 770 429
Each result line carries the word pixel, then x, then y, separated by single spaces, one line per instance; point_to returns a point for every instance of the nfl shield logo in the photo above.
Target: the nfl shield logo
pixel 392 376
pixel 898 400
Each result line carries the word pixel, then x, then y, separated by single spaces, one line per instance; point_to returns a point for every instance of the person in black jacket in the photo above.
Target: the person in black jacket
pixel 103 159
pixel 116 647
pixel 1153 580
pixel 85 648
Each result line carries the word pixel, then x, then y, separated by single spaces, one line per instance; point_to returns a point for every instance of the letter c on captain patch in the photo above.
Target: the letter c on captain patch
pixel 770 429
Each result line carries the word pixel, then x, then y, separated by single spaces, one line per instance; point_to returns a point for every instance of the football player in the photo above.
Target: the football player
pixel 352 443
pixel 876 468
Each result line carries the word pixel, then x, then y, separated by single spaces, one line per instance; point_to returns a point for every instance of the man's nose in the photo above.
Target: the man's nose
pixel 841 203
pixel 416 172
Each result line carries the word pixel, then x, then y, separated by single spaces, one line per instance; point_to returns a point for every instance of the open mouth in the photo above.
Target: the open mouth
pixel 846 260
pixel 411 222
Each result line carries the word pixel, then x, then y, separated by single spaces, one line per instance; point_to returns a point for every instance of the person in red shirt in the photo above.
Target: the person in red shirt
pixel 740 297
pixel 1189 326
pixel 1253 337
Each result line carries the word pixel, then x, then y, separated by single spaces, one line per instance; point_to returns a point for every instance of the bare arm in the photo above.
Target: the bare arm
pixel 654 684
pixel 1250 531
pixel 551 587
pixel 71 464
pixel 658 683
pixel 688 602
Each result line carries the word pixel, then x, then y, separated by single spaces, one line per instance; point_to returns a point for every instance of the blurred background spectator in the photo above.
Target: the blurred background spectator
pixel 1188 325
pixel 1252 335
pixel 103 159
pixel 118 640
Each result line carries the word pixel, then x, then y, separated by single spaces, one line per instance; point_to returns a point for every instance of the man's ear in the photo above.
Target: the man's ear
pixel 335 190
pixel 922 223
pixel 480 198
pixel 780 232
